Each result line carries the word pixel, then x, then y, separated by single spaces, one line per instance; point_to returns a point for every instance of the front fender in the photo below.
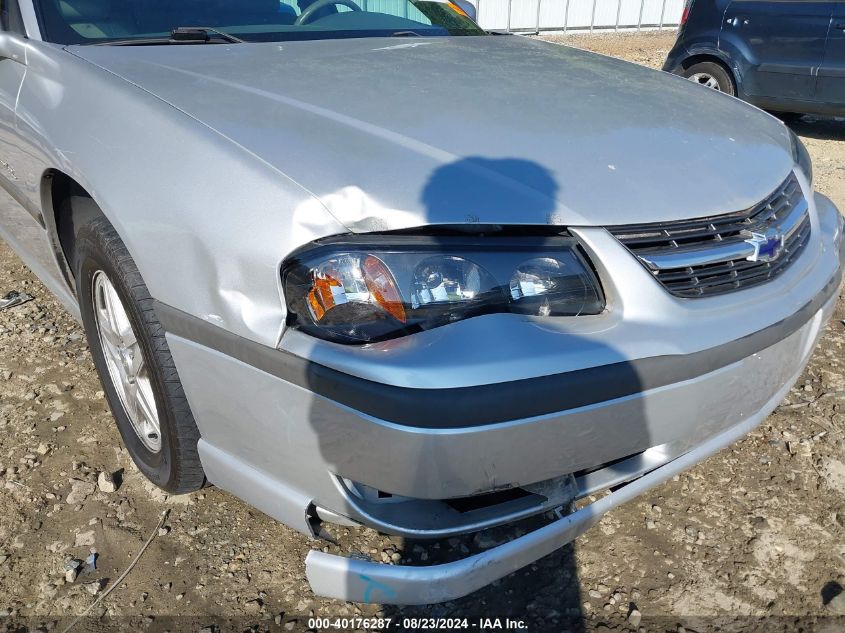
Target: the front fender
pixel 207 223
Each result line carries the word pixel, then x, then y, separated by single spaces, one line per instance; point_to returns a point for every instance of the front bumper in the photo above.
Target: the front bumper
pixel 288 434
pixel 362 581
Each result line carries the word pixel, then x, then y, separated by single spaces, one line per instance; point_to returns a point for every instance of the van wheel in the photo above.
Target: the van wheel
pixel 134 362
pixel 711 75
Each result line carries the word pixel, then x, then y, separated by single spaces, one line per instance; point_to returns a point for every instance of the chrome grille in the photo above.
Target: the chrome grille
pixel 714 255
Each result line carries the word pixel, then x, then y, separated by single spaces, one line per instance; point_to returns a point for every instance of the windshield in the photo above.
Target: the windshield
pixel 152 21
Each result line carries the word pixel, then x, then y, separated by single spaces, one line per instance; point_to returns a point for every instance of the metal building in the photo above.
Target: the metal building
pixel 578 15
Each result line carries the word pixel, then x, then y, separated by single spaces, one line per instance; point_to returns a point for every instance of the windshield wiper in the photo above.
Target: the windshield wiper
pixel 180 35
pixel 406 34
pixel 201 34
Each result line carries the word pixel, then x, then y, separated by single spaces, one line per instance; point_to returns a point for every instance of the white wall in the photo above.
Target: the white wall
pixel 577 14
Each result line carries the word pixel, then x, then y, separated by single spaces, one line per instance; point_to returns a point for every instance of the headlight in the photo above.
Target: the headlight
pixel 360 289
pixel 802 156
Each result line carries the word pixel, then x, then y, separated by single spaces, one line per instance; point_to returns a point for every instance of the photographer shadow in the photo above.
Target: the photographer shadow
pixel 545 595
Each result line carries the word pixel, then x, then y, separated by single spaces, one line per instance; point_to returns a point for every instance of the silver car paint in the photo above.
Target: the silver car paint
pixel 358 580
pixel 366 125
pixel 202 248
pixel 286 143
pixel 291 435
pixel 214 162
pixel 642 321
pixel 295 437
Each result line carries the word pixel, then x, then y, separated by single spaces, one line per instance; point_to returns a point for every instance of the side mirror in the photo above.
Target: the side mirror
pixel 12 47
pixel 468 8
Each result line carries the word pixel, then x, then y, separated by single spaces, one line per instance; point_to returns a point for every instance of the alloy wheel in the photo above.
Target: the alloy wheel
pixel 707 80
pixel 128 370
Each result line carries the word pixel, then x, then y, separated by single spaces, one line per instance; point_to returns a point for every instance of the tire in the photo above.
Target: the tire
pixel 713 76
pixel 108 281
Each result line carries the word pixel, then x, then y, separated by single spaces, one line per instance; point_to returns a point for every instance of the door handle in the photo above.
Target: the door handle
pixel 738 21
pixel 839 25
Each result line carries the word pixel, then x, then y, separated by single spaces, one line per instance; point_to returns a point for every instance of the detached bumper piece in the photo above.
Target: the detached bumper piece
pixel 434 519
pixel 357 580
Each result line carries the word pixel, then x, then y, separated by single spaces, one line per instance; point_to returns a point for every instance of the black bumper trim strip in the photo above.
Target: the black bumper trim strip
pixel 481 405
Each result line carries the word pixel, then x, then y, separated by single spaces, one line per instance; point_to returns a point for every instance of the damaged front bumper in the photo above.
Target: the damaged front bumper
pixel 358 580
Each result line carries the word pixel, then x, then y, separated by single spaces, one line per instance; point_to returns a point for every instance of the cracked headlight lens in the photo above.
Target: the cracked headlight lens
pixel 360 289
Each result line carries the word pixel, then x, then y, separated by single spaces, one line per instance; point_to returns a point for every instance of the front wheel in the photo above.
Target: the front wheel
pixel 711 75
pixel 133 360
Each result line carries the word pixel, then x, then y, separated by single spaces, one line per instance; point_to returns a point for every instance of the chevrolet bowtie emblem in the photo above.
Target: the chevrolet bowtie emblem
pixel 768 246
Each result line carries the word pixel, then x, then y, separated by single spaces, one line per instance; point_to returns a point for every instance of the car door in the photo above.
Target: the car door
pixel 21 224
pixel 783 43
pixel 12 72
pixel 831 81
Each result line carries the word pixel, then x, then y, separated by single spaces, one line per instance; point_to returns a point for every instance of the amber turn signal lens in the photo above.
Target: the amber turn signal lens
pixel 354 280
pixel 383 288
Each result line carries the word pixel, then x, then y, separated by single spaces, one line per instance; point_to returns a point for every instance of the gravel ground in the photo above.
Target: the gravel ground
pixel 750 540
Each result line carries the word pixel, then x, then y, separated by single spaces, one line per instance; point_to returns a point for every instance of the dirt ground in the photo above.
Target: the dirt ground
pixel 750 540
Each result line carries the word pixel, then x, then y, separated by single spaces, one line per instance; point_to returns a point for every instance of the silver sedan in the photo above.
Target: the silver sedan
pixel 362 262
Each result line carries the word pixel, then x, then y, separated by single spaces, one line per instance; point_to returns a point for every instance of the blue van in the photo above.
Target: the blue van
pixel 786 56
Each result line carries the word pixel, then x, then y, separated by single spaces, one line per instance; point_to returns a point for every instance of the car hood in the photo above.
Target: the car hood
pixel 394 133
